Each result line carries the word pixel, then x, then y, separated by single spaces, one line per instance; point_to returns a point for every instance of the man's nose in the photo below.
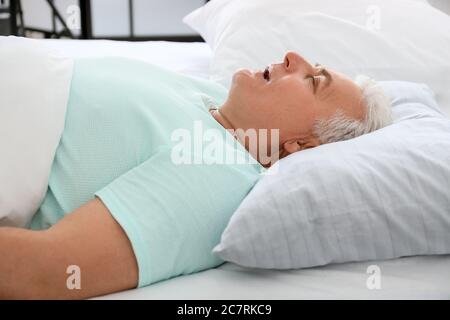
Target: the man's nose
pixel 294 62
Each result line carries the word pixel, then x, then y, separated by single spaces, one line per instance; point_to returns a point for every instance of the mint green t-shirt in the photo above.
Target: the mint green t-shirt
pixel 124 119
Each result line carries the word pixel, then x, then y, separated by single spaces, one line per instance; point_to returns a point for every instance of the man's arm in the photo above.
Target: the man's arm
pixel 33 264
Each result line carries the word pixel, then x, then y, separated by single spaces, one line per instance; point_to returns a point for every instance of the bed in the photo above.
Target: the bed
pixel 417 277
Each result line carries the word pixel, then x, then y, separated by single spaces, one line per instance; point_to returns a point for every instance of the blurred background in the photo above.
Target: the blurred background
pixel 99 19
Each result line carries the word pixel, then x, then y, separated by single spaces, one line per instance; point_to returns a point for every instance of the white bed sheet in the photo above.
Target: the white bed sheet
pixel 420 277
pixel 426 277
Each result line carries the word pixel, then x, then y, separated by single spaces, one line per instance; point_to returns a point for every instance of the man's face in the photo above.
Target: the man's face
pixel 290 97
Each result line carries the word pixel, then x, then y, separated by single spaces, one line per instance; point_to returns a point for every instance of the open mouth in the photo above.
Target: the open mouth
pixel 266 73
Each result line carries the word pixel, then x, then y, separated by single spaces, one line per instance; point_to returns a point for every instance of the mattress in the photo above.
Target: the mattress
pixel 419 277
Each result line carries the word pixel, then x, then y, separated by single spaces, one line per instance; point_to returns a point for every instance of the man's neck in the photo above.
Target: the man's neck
pixel 221 118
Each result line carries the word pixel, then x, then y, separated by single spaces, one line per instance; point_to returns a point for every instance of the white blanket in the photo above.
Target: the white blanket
pixel 34 90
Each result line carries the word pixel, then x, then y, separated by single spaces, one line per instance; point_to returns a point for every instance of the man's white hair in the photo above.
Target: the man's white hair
pixel 377 115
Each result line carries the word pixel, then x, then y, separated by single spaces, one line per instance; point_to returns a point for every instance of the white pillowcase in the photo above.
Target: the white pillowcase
pixel 34 89
pixel 379 196
pixel 387 40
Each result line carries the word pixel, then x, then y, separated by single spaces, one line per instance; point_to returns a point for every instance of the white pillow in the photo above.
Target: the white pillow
pixel 34 89
pixel 379 196
pixel 387 40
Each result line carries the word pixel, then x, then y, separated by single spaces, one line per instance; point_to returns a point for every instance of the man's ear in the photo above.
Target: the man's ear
pixel 298 144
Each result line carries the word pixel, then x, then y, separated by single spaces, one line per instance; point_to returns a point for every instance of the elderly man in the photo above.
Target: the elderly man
pixel 108 235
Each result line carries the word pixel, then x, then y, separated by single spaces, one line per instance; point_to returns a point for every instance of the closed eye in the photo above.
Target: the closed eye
pixel 314 83
pixel 323 73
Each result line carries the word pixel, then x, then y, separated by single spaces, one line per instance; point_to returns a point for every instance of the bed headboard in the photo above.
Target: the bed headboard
pixel 86 27
pixel 59 27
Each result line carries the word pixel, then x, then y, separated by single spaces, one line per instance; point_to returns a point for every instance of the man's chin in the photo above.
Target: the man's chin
pixel 241 75
pixel 243 72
